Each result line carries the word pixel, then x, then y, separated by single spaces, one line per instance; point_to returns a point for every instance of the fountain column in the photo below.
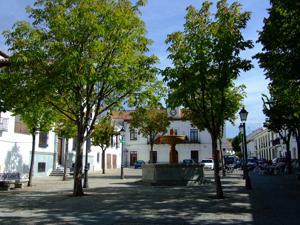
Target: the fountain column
pixel 173 155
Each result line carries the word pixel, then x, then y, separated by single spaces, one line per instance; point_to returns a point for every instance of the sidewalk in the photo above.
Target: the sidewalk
pixel 275 200
pixel 112 201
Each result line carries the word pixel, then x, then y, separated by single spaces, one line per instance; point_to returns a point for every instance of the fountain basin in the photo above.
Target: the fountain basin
pixel 172 174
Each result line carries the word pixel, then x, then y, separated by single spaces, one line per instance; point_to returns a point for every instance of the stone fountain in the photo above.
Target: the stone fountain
pixel 172 173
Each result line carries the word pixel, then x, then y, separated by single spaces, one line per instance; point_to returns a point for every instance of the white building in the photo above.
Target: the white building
pixel 197 147
pixel 263 143
pixel 16 145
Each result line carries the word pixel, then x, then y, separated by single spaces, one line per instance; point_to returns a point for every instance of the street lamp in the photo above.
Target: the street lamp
pixel 122 133
pixel 243 115
pixel 86 167
pixel 87 150
pixel 241 127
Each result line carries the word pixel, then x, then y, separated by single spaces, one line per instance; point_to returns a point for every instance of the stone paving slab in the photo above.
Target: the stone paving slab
pixel 112 201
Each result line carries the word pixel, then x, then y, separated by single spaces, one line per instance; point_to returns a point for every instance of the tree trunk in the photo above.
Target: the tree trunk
pixel 288 153
pixel 66 159
pixel 151 153
pixel 219 191
pixel 298 145
pixel 78 190
pixel 222 158
pixel 103 161
pixel 32 159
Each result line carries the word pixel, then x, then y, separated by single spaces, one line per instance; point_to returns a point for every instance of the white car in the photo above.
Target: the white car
pixel 208 163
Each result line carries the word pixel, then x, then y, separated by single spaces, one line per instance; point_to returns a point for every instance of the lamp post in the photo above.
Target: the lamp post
pixel 86 167
pixel 241 127
pixel 243 115
pixel 122 133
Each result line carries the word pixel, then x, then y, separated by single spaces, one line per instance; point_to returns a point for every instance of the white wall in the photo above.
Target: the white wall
pixel 140 145
pixel 16 148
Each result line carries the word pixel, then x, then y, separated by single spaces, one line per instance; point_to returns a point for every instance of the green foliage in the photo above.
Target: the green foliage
pixel 280 60
pixel 151 122
pixel 64 127
pixel 83 58
pixel 236 143
pixel 103 132
pixel 206 61
pixel 280 40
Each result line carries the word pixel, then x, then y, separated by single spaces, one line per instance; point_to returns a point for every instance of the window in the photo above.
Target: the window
pixel 74 144
pixel 133 134
pixel 194 136
pixel 98 157
pixel 41 167
pixel 43 139
pixel 117 141
pixel 112 141
pixel 20 126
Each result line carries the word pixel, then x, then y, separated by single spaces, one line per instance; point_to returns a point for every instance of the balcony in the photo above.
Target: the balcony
pixel 193 141
pixel 276 142
pixel 3 124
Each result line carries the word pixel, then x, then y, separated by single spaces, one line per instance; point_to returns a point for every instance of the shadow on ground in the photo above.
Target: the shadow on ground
pixel 275 200
pixel 130 205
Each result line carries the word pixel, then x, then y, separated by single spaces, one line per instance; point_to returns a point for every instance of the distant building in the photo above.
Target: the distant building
pixel 263 143
pixel 198 143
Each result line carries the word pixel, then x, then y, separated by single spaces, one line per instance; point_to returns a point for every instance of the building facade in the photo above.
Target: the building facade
pixel 197 146
pixel 16 145
pixel 265 144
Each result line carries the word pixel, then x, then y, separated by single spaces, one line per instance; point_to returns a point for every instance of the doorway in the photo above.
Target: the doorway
pixel 195 156
pixel 154 156
pixel 108 161
pixel 133 158
pixel 60 150
pixel 114 161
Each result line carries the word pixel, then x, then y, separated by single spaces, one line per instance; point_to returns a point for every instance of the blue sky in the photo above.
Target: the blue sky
pixel 163 17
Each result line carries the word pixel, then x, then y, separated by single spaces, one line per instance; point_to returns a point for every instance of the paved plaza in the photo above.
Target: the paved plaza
pixel 112 201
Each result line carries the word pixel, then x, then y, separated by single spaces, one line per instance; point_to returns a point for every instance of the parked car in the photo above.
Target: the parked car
pixel 232 162
pixel 252 163
pixel 189 162
pixel 208 163
pixel 138 164
pixel 278 160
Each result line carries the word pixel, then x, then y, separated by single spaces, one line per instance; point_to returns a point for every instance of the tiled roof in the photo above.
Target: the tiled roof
pixel 3 59
pixel 122 115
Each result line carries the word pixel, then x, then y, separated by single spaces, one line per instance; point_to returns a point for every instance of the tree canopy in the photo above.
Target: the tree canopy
pixel 280 60
pixel 206 60
pixel 151 122
pixel 83 58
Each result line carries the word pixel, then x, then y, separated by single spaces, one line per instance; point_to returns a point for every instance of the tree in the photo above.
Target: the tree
pixel 30 107
pixel 206 61
pixel 84 58
pixel 236 143
pixel 280 60
pixel 101 136
pixel 280 39
pixel 150 122
pixel 66 129
pixel 36 119
pixel 279 121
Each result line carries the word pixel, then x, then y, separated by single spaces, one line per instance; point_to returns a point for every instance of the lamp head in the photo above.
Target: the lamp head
pixel 243 114
pixel 122 131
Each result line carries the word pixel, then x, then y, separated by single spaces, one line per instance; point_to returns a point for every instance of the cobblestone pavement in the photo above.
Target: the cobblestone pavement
pixel 112 201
